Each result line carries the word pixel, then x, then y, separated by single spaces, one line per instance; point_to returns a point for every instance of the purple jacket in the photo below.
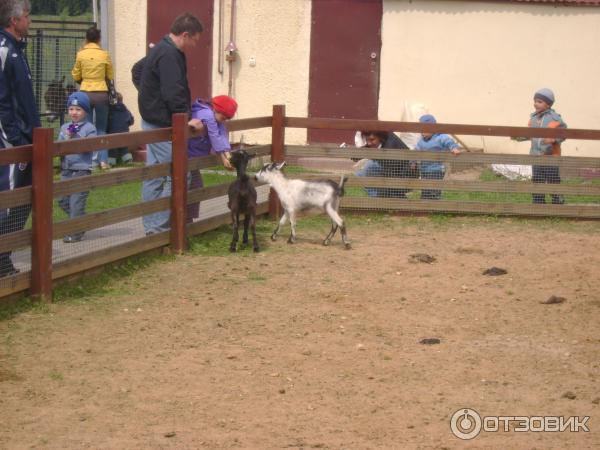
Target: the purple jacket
pixel 216 137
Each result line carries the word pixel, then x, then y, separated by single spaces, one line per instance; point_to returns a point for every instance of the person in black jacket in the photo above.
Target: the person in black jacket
pixel 119 121
pixel 18 112
pixel 385 168
pixel 162 91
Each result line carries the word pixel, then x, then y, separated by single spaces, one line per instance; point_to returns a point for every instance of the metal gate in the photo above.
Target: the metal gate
pixel 51 51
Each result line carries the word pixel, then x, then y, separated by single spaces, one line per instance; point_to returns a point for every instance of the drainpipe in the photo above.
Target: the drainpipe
pixel 231 49
pixel 104 24
pixel 220 44
pixel 95 10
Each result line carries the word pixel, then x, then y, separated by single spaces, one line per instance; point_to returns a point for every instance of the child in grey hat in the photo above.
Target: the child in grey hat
pixel 545 117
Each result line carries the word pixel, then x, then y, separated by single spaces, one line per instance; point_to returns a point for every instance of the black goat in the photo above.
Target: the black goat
pixel 242 200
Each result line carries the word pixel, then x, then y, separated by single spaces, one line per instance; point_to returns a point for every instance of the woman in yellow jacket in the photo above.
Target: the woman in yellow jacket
pixel 92 68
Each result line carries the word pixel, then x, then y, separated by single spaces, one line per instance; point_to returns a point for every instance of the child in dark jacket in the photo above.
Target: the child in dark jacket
pixel 79 164
pixel 119 121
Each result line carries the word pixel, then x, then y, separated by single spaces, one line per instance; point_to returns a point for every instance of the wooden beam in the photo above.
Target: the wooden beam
pixel 445 206
pixel 312 151
pixel 15 154
pixel 133 138
pixel 15 197
pixel 416 127
pixel 15 241
pixel 109 217
pixel 179 183
pixel 466 186
pixel 41 227
pixel 116 177
pixel 277 153
pixel 249 124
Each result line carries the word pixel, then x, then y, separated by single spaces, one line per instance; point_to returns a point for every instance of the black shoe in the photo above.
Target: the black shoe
pixel 71 239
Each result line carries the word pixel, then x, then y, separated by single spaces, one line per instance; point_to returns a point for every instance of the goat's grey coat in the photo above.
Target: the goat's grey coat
pixel 298 195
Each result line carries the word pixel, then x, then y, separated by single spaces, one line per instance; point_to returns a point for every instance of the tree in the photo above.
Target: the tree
pixel 55 7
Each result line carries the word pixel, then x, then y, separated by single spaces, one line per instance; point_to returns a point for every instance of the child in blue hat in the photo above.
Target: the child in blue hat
pixel 79 164
pixel 434 170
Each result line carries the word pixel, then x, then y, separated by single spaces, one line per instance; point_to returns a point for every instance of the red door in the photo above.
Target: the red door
pixel 345 45
pixel 161 14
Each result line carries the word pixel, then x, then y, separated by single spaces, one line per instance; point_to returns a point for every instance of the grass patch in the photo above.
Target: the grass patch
pixel 87 288
pixel 56 376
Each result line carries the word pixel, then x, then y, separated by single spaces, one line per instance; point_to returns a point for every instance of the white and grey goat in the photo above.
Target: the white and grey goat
pixel 299 195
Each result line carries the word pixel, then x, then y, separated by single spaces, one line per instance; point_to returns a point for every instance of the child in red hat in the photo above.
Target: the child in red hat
pixel 208 118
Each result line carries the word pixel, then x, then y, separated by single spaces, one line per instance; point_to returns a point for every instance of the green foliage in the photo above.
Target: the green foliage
pixel 61 7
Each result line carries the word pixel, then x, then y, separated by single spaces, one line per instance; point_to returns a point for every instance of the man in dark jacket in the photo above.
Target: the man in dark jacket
pixel 18 112
pixel 164 90
pixel 391 168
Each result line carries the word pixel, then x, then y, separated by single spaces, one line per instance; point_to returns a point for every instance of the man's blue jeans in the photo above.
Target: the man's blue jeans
pixel 373 168
pixel 157 153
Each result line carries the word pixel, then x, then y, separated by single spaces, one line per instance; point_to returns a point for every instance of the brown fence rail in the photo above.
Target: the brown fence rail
pixel 44 233
pixel 42 194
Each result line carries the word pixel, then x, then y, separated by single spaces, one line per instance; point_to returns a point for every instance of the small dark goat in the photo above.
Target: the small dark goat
pixel 56 98
pixel 242 200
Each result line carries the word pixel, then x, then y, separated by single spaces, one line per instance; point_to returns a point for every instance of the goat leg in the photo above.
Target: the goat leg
pixel 292 238
pixel 245 235
pixel 235 219
pixel 335 217
pixel 334 228
pixel 253 228
pixel 281 223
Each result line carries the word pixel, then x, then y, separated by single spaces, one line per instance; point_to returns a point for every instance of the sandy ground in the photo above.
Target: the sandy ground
pixel 304 346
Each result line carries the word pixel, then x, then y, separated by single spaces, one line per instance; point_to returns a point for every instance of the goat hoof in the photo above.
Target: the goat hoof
pixel 326 242
pixel 232 249
pixel 273 237
pixel 291 241
pixel 347 246
pixel 256 249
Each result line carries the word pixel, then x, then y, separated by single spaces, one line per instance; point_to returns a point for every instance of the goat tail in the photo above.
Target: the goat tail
pixel 341 185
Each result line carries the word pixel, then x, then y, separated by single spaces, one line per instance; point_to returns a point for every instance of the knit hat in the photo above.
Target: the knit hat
pixel 545 95
pixel 79 99
pixel 427 118
pixel 225 105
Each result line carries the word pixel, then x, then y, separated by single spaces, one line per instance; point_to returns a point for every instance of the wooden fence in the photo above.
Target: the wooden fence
pixel 44 189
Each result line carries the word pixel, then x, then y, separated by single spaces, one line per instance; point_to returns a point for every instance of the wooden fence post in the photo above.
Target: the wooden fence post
pixel 179 183
pixel 277 153
pixel 41 203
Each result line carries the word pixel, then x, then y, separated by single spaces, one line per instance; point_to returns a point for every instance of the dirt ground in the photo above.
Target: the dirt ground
pixel 304 346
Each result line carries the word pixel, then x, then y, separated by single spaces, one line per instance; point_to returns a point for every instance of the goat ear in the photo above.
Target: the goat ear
pixel 280 165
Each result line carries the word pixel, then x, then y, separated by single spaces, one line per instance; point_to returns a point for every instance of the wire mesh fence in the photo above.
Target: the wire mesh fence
pixel 466 182
pixel 51 51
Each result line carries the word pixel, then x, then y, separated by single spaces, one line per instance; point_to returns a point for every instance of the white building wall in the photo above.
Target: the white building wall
pixel 127 44
pixel 273 41
pixel 481 62
pixel 469 62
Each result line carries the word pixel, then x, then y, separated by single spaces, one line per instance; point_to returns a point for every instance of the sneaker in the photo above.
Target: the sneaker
pixel 104 165
pixel 71 239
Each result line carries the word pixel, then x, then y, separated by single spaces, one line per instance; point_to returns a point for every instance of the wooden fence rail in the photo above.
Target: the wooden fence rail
pixel 44 190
